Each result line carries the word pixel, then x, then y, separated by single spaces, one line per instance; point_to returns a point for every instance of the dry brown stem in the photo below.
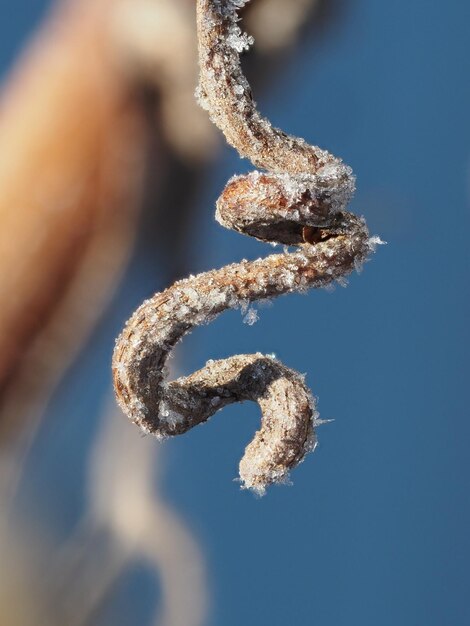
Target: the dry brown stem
pixel 300 202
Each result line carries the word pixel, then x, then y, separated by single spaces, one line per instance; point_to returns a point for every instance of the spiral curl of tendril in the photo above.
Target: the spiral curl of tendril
pixel 299 200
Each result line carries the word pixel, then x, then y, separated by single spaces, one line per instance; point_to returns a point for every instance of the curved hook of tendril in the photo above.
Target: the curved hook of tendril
pixel 299 201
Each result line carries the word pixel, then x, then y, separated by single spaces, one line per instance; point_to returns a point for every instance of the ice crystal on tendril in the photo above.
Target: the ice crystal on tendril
pixel 299 201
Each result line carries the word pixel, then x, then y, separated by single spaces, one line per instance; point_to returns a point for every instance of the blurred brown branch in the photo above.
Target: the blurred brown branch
pixel 70 176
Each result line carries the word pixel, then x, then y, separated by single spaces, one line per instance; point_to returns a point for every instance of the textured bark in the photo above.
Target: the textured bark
pixel 301 201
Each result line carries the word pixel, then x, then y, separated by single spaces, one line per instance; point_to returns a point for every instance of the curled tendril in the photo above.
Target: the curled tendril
pixel 299 201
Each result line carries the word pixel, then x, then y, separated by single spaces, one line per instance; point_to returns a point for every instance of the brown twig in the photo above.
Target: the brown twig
pixel 300 202
pixel 73 145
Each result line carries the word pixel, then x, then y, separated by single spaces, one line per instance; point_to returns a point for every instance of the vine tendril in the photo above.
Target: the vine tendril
pixel 299 200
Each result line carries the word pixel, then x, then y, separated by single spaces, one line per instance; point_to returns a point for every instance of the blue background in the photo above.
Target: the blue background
pixel 375 529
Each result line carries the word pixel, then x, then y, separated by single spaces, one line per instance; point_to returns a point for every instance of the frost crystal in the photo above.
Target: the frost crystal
pixel 239 41
pixel 251 317
pixel 376 241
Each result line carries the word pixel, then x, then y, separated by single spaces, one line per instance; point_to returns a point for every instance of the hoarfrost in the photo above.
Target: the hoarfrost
pixel 376 241
pixel 251 317
pixel 239 40
pixel 244 306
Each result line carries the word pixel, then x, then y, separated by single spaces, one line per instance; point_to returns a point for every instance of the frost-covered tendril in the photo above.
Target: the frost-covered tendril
pixel 299 201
